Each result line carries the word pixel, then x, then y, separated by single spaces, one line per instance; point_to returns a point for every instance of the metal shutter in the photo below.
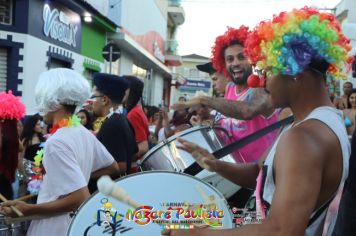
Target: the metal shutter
pixel 3 69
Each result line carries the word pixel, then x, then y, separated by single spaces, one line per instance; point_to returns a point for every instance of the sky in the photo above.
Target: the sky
pixel 207 19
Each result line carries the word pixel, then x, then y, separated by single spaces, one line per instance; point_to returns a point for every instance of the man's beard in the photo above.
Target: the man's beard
pixel 241 81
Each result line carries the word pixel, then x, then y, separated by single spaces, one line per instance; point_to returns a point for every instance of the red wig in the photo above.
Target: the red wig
pixel 230 37
pixel 11 110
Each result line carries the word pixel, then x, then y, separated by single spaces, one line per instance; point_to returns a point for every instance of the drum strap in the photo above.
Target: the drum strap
pixel 194 168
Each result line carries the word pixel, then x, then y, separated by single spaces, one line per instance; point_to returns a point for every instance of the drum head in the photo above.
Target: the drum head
pixel 172 200
pixel 166 155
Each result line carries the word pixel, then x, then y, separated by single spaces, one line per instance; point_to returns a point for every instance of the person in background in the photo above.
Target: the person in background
pixel 153 116
pixel 85 119
pixel 341 102
pixel 350 112
pixel 182 99
pixel 202 115
pixel 11 111
pixel 137 117
pixel 116 132
pixel 219 80
pixel 180 121
pixel 32 139
pixel 32 136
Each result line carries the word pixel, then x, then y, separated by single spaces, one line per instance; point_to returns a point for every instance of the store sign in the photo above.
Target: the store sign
pixel 60 26
pixel 196 85
pixel 157 52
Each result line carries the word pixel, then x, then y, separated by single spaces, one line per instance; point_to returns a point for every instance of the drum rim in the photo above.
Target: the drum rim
pixel 223 199
pixel 174 137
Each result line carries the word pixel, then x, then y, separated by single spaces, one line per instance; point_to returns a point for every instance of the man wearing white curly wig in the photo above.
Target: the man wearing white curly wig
pixel 71 154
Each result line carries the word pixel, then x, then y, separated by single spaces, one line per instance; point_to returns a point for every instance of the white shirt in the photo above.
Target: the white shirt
pixel 332 118
pixel 70 156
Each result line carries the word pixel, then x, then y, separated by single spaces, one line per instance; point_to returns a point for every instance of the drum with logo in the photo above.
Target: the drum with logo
pixel 167 200
pixel 166 155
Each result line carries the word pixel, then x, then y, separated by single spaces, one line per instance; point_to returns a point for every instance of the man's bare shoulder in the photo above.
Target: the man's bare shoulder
pixel 312 138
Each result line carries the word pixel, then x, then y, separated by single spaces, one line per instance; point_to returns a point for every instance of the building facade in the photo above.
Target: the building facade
pixel 37 35
pixel 188 80
pixel 145 31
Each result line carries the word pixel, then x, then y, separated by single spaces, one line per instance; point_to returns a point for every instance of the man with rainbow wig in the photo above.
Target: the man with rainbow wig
pixel 308 164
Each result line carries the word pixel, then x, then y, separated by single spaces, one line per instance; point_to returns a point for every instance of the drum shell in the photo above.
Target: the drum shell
pixel 152 188
pixel 166 155
pixel 12 229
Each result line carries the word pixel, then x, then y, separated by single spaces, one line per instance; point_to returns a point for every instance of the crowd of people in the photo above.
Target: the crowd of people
pixel 79 135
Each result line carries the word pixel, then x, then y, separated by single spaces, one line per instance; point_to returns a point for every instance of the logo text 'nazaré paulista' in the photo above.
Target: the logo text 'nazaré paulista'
pixel 59 26
pixel 146 214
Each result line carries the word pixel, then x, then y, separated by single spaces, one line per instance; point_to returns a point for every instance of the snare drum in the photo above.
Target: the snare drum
pixel 166 155
pixel 168 200
pixel 12 229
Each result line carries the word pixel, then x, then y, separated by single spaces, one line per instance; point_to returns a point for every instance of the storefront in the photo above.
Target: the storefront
pixel 49 34
pixel 142 41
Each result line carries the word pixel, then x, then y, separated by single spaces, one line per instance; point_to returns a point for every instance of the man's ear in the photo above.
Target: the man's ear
pixel 105 100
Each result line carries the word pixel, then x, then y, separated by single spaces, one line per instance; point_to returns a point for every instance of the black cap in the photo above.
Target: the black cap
pixel 207 68
pixel 110 85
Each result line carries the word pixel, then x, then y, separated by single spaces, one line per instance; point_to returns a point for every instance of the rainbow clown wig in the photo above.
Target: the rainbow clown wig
pixel 293 41
pixel 230 37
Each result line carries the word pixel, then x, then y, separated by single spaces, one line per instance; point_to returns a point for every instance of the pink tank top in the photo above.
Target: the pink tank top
pixel 241 128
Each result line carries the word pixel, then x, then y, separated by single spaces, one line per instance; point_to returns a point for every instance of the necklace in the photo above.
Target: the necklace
pixel 36 179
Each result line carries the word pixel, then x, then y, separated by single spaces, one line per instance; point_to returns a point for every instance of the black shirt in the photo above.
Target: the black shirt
pixel 117 135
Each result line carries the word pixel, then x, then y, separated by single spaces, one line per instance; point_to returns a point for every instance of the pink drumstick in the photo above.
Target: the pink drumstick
pixel 108 187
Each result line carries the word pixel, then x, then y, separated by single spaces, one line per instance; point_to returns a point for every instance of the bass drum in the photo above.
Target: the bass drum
pixel 166 155
pixel 168 199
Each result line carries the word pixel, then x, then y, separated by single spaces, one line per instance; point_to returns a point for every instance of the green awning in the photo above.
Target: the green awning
pixel 92 65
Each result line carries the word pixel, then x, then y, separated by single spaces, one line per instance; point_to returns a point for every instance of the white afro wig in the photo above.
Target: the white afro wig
pixel 60 86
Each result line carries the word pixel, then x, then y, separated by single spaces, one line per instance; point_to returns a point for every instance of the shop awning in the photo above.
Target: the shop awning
pixel 92 65
pixel 141 56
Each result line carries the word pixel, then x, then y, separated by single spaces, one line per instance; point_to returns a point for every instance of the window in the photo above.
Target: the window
pixel 56 63
pixel 139 72
pixel 6 12
pixel 193 73
pixel 3 69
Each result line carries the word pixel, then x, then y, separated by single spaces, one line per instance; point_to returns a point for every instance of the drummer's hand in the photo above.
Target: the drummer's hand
pixel 193 104
pixel 204 158
pixel 164 114
pixel 186 232
pixel 22 206
pixel 195 120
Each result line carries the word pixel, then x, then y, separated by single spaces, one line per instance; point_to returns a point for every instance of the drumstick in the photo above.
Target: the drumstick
pixel 18 213
pixel 108 187
pixel 26 197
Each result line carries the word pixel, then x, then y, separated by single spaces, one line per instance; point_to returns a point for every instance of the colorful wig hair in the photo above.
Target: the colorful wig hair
pixel 230 37
pixel 11 107
pixel 297 40
pixel 11 111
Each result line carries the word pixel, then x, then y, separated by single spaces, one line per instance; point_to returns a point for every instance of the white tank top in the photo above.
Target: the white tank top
pixel 333 118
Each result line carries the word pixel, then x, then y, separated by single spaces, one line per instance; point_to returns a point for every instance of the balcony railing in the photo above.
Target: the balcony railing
pixel 172 47
pixel 174 3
